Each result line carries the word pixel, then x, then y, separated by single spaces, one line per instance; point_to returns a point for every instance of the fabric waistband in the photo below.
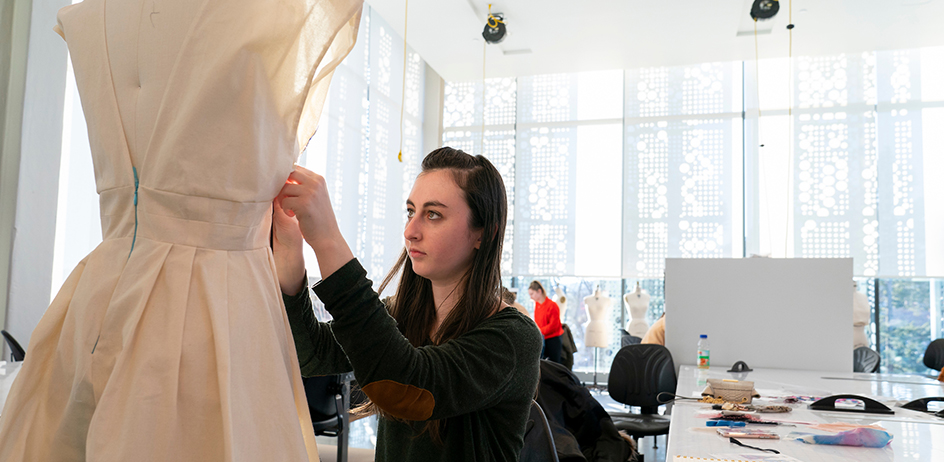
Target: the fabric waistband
pixel 186 220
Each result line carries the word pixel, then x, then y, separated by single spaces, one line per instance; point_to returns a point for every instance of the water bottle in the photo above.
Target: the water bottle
pixel 704 351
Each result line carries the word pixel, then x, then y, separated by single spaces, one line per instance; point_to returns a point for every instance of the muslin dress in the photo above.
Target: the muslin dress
pixel 169 341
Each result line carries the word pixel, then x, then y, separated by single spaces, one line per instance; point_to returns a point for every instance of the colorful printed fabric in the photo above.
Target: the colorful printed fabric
pixel 861 437
pixel 842 427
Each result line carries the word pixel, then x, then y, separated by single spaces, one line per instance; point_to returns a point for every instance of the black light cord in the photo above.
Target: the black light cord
pixel 735 441
pixel 674 397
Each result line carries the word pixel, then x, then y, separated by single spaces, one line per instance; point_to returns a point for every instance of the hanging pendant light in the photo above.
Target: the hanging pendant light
pixel 494 31
pixel 764 9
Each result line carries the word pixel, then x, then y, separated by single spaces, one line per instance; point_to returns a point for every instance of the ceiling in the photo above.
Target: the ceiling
pixel 592 35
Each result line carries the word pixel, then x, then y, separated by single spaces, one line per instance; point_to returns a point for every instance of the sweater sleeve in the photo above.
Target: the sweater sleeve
pixel 552 322
pixel 656 333
pixel 317 350
pixel 462 375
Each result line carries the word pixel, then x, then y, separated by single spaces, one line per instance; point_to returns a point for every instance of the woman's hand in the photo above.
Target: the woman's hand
pixel 305 197
pixel 287 250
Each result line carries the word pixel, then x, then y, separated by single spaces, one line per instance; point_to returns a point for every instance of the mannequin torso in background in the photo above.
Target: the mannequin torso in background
pixel 598 329
pixel 637 302
pixel 561 300
pixel 861 313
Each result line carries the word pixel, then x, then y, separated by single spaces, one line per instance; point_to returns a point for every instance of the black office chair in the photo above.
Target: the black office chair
pixel 638 374
pixel 865 359
pixel 934 355
pixel 17 353
pixel 538 441
pixel 329 398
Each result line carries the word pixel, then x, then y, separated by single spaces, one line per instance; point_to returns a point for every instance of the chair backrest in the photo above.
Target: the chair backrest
pixel 639 373
pixel 934 355
pixel 15 349
pixel 321 392
pixel 538 440
pixel 865 359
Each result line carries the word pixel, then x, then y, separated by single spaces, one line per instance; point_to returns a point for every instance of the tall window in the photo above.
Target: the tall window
pixel 682 166
pixel 491 133
pixel 357 143
pixel 831 156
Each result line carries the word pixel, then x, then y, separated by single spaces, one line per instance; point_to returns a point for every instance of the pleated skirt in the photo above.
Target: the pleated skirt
pixel 176 353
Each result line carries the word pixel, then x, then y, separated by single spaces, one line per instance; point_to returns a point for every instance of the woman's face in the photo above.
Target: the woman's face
pixel 439 240
pixel 535 295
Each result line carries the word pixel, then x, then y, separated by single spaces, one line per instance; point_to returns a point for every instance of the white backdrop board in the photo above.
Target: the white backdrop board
pixel 785 313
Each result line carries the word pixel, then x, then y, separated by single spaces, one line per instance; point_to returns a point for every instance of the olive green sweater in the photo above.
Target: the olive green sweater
pixel 481 384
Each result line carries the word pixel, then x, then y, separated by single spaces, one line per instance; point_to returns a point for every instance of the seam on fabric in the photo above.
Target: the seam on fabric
pixel 134 237
pixel 162 191
pixel 158 119
pixel 111 79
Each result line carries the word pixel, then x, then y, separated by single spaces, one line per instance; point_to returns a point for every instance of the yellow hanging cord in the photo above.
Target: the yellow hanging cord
pixel 757 84
pixel 757 75
pixel 406 9
pixel 484 45
pixel 786 236
pixel 493 18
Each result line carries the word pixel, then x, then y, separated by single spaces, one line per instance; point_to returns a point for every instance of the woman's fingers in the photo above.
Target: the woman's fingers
pixel 289 204
pixel 302 175
pixel 305 196
pixel 282 215
pixel 293 190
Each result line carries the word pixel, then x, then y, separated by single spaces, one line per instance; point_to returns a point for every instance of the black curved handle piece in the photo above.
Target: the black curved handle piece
pixel 740 366
pixel 922 404
pixel 871 406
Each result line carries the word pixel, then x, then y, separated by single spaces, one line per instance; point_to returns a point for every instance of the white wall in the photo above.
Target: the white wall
pixel 783 313
pixel 14 38
pixel 38 185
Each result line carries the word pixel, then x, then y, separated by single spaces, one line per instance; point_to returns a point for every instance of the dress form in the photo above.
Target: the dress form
pixel 860 317
pixel 638 303
pixel 561 301
pixel 196 112
pixel 598 330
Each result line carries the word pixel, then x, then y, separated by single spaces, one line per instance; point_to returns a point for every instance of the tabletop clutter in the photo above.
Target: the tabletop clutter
pixel 734 415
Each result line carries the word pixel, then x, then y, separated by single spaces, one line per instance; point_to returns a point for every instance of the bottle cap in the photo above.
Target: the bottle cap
pixel 703 336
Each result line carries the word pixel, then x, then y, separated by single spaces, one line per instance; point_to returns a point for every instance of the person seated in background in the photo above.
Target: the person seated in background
pixel 509 298
pixel 547 317
pixel 656 332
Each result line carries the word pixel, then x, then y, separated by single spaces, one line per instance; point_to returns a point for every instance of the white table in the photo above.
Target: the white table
pixel 8 373
pixel 917 436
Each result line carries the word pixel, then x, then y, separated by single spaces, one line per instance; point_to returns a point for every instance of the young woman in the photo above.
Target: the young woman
pixel 547 316
pixel 450 368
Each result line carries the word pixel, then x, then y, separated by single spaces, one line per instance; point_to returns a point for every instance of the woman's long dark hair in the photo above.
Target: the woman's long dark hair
pixel 479 292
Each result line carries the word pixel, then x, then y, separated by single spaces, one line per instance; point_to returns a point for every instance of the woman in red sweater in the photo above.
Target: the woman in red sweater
pixel 547 316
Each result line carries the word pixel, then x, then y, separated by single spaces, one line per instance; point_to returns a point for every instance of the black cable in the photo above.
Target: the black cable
pixel 735 441
pixel 676 397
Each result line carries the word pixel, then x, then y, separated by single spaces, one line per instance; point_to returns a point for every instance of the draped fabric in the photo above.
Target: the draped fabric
pixel 169 341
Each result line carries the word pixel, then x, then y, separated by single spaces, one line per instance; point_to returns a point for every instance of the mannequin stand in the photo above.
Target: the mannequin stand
pixel 595 386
